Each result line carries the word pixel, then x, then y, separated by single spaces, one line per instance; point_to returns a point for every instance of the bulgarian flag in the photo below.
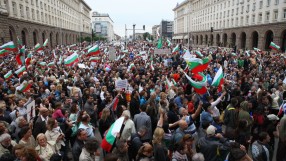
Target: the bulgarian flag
pixel 43 63
pixel 86 49
pixel 20 56
pixel 176 49
pixel 28 59
pixel 193 62
pixel 10 46
pixel 152 67
pixel 24 86
pixel 94 59
pixel 218 79
pixel 169 42
pixel 38 47
pixel 93 51
pixel 199 87
pixel 130 67
pixel 199 54
pixel 110 137
pixel 203 66
pixel 233 54
pixel 257 50
pixel 3 52
pixel 8 75
pixel 70 60
pixel 19 43
pixel 274 46
pixel 51 64
pixel 20 71
pixel 159 46
pixel 46 42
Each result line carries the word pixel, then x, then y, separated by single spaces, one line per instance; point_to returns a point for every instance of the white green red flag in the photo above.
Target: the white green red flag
pixel 130 67
pixel 169 42
pixel 218 79
pixel 3 52
pixel 110 137
pixel 193 63
pixel 8 75
pixel 203 66
pixel 38 47
pixel 46 42
pixel 94 59
pixel 42 64
pixel 24 86
pixel 70 60
pixel 199 54
pixel 176 49
pixel 51 65
pixel 20 71
pixel 257 50
pixel 151 66
pixel 199 87
pixel 274 46
pixel 28 59
pixel 9 46
pixel 93 51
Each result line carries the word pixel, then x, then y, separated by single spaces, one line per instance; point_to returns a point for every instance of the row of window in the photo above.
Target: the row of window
pixel 243 21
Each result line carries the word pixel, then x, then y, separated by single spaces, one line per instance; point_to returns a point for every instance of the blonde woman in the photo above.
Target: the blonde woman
pixel 45 149
pixel 103 91
pixel 160 150
pixel 105 121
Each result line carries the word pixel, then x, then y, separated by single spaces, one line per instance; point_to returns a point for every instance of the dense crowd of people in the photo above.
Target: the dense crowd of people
pixel 165 118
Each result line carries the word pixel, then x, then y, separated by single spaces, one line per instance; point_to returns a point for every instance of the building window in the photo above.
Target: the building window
pixel 33 14
pixel 268 3
pixel 14 8
pixel 42 16
pixel 28 12
pixel 247 8
pixel 267 16
pixel 275 15
pixel 276 2
pixel 253 18
pixel 237 10
pixel 32 2
pixel 260 4
pixel 38 16
pixel 247 19
pixel 41 5
pixel 260 17
pixel 241 21
pixel 254 6
pixel 37 3
pixel 284 13
pixel 21 10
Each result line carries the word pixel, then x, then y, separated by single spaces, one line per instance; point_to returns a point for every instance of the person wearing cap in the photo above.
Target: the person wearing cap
pixel 213 146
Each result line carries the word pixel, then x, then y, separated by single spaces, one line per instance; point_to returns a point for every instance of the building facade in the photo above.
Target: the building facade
pixel 241 23
pixel 154 30
pixel 102 25
pixel 166 29
pixel 33 21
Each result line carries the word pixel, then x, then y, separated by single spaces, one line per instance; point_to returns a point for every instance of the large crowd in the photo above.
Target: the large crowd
pixel 54 106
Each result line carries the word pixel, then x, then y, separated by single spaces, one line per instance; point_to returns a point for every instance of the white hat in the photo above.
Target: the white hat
pixel 211 130
pixel 272 117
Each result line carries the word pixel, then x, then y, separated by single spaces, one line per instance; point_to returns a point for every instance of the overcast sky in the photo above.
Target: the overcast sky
pixel 139 12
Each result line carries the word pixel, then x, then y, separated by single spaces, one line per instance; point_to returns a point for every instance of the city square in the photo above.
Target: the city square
pixel 184 80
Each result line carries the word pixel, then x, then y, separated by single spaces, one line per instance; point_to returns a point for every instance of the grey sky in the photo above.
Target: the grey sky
pixel 129 12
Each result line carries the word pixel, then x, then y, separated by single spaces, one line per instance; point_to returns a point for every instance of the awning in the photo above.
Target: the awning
pixel 175 37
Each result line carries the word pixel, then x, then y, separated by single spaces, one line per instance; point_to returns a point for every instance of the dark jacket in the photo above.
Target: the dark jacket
pixel 160 153
pixel 39 127
pixel 76 149
pixel 135 145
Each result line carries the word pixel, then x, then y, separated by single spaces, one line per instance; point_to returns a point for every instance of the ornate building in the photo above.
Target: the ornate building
pixel 61 21
pixel 228 23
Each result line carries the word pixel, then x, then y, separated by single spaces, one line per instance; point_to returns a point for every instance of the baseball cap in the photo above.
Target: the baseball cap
pixel 211 130
pixel 272 117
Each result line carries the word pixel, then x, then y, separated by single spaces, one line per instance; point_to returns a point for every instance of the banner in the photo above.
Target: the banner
pixel 121 84
pixel 162 51
pixel 112 54
pixel 31 113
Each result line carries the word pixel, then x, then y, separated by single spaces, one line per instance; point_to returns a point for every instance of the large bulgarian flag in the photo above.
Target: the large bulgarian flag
pixel 9 46
pixel 218 79
pixel 3 52
pixel 93 51
pixel 70 60
pixel 20 71
pixel 199 87
pixel 46 42
pixel 38 47
pixel 274 46
pixel 110 137
pixel 193 63
pixel 24 86
pixel 8 75
pixel 203 66
pixel 28 59
pixel 176 49
pixel 94 59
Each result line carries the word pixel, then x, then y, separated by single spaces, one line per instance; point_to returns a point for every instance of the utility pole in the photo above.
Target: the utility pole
pixel 134 32
pixel 133 29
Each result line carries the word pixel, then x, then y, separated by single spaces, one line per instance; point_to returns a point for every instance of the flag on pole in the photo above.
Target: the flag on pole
pixel 8 75
pixel 94 59
pixel 199 54
pixel 20 71
pixel 46 42
pixel 169 42
pixel 199 87
pixel 9 46
pixel 25 86
pixel 19 43
pixel 51 65
pixel 70 60
pixel 151 66
pixel 176 49
pixel 159 46
pixel 193 62
pixel 203 66
pixel 38 47
pixel 93 51
pixel 187 54
pixel 28 59
pixel 256 49
pixel 218 79
pixel 110 137
pixel 274 46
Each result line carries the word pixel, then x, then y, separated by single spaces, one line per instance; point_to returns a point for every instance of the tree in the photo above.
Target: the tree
pixel 147 34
